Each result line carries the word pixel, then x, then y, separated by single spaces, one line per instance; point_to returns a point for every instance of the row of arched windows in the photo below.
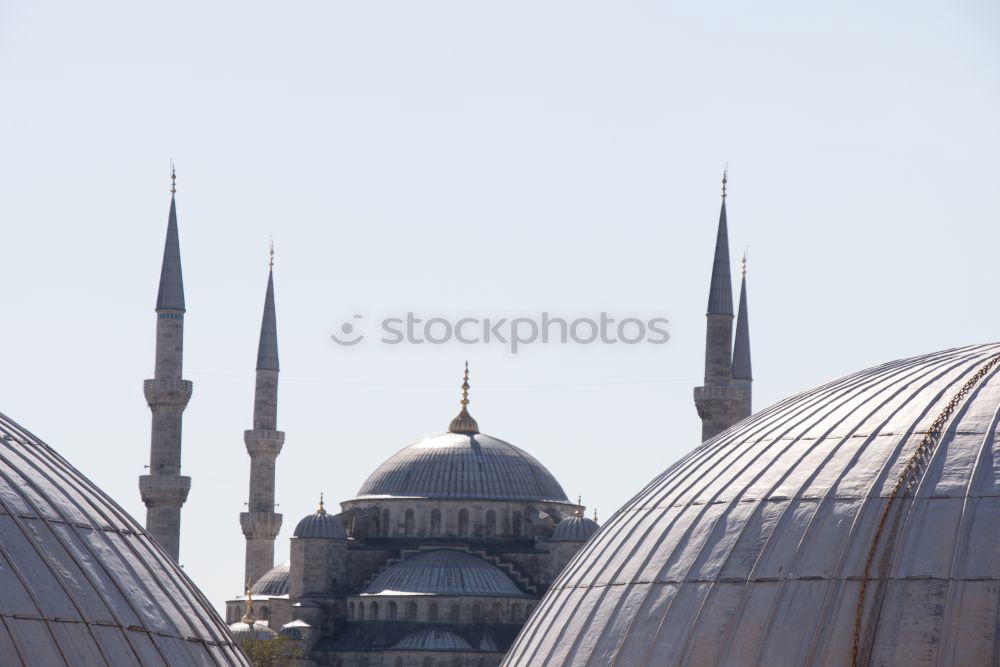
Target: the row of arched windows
pixel 451 612
pixel 380 524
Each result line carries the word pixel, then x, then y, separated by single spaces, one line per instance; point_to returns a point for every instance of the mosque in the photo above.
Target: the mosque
pixel 854 523
pixel 446 548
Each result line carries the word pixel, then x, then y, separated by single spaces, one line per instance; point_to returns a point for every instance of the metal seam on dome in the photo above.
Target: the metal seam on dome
pixel 903 483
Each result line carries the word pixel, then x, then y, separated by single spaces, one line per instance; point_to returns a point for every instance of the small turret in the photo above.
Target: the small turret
pixel 318 555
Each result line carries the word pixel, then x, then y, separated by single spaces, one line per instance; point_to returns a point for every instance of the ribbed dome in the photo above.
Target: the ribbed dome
pixel 242 631
pixel 463 465
pixel 432 639
pixel 752 548
pixel 320 525
pixel 574 529
pixel 273 583
pixel 81 583
pixel 443 572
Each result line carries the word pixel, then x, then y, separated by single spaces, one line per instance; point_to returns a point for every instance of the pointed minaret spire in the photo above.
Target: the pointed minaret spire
pixel 716 401
pixel 260 523
pixel 742 373
pixel 464 423
pixel 164 489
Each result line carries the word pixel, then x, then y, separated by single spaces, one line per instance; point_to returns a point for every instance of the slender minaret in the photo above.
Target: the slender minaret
pixel 164 489
pixel 260 523
pixel 717 400
pixel 742 373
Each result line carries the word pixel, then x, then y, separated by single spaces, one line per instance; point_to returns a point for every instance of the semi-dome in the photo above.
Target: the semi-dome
pixel 320 525
pixel 853 523
pixel 82 583
pixel 432 639
pixel 443 572
pixel 574 529
pixel 463 465
pixel 273 583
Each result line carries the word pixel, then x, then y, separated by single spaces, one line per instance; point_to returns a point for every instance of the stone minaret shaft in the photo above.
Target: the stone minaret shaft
pixel 718 401
pixel 260 523
pixel 164 489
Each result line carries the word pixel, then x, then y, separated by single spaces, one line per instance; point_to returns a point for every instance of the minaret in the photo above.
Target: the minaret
pixel 717 400
pixel 742 374
pixel 260 523
pixel 164 489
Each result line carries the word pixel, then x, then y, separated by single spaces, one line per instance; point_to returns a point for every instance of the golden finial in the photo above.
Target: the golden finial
pixel 320 509
pixel 579 506
pixel 248 616
pixel 173 178
pixel 464 423
pixel 725 179
pixel 595 515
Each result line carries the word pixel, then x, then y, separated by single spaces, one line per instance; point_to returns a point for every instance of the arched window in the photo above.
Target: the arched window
pixel 350 611
pixel 435 522
pixel 491 523
pixel 530 609
pixel 373 527
pixel 477 613
pixel 411 611
pixel 463 523
pixel 515 521
pixel 374 611
pixel 385 523
pixel 496 612
pixel 411 527
pixel 456 613
pixel 392 611
pixel 432 613
pixel 361 611
pixel 515 612
pixel 264 613
pixel 529 528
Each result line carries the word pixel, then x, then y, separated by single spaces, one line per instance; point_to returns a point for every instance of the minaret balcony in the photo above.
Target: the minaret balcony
pixel 260 525
pixel 167 392
pixel 164 490
pixel 261 442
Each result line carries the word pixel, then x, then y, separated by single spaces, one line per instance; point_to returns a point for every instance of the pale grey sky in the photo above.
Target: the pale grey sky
pixel 489 159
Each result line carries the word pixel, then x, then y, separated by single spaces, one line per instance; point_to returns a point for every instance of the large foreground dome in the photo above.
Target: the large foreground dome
pixel 81 583
pixel 854 523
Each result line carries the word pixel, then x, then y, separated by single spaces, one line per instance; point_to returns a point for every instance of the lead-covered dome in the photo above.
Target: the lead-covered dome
pixel 81 583
pixel 574 529
pixel 443 572
pixel 463 465
pixel 759 545
pixel 320 526
pixel 273 583
pixel 432 639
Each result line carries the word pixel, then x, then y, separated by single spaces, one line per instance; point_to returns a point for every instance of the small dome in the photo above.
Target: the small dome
pixel 273 583
pixel 242 631
pixel 320 525
pixel 294 630
pixel 432 639
pixel 82 582
pixel 443 572
pixel 851 523
pixel 574 529
pixel 463 465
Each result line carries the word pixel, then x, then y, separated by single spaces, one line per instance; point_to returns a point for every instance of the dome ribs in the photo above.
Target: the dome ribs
pixel 728 551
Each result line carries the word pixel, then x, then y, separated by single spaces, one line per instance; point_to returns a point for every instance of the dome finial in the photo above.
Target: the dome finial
pixel 579 506
pixel 464 423
pixel 595 515
pixel 173 179
pixel 320 509
pixel 248 616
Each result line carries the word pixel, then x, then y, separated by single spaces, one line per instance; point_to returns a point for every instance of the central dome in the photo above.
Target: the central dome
pixel 466 466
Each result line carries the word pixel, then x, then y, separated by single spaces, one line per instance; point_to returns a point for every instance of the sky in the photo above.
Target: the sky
pixel 489 160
